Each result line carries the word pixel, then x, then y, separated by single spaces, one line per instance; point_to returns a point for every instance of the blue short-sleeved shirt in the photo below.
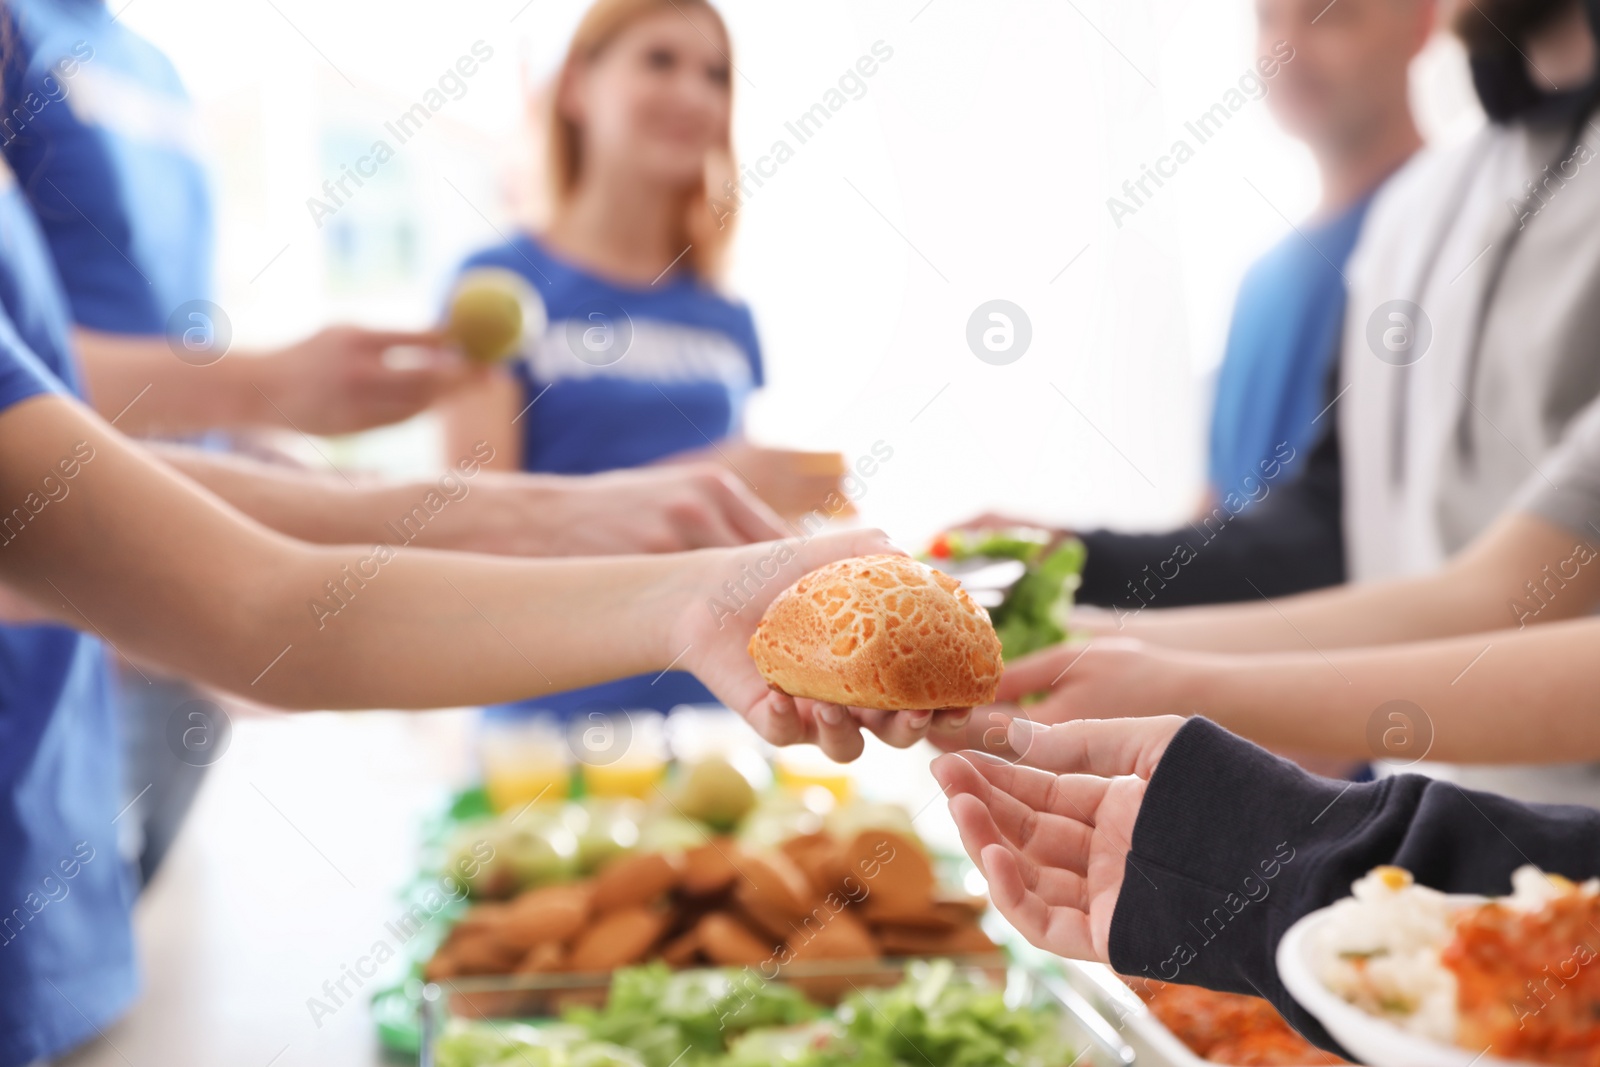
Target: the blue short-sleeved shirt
pixel 103 139
pixel 1281 343
pixel 624 376
pixel 66 945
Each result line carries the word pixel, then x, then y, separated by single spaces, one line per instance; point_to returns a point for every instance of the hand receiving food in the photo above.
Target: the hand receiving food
pixel 814 690
pixel 1106 676
pixel 1051 830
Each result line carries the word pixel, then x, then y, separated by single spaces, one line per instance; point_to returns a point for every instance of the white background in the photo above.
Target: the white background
pixel 976 166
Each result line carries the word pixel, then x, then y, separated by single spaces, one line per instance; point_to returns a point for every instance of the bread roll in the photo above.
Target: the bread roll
pixel 880 632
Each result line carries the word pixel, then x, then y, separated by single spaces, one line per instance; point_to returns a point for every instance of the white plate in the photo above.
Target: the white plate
pixel 1370 1039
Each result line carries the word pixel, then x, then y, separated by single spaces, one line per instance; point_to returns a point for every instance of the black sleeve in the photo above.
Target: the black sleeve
pixel 1289 541
pixel 1233 845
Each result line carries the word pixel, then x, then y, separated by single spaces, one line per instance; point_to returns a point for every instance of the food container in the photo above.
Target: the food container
pixel 536 997
pixel 1133 1020
pixel 1377 1041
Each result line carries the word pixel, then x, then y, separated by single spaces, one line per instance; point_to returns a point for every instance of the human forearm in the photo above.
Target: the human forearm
pixel 1342 617
pixel 355 625
pixel 141 383
pixel 1521 571
pixel 1448 698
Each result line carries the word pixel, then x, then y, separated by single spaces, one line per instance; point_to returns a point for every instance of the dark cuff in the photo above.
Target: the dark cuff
pixel 1226 855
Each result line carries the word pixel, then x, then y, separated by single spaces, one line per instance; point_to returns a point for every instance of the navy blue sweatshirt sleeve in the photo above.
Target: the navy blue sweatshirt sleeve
pixel 1289 541
pixel 1234 844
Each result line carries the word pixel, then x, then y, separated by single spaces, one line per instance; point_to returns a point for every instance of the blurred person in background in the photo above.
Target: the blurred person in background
pixel 108 149
pixel 644 360
pixel 1408 668
pixel 105 144
pixel 1337 78
pixel 1465 407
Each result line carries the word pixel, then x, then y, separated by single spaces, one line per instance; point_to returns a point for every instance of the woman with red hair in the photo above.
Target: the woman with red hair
pixel 644 360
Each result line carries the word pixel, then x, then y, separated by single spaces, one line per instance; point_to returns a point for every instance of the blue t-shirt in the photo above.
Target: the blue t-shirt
pixel 1282 341
pixel 624 376
pixel 103 139
pixel 66 944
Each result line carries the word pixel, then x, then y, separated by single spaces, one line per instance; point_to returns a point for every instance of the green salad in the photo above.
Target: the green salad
pixel 1035 610
pixel 660 1018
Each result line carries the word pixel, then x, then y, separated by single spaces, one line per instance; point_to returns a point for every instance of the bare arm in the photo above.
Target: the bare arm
pixel 472 509
pixel 1493 698
pixel 126 548
pixel 1486 587
pixel 335 381
pixel 489 408
pixel 1498 697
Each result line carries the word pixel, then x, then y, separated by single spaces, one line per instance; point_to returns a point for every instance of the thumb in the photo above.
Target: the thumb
pixel 846 544
pixel 1039 671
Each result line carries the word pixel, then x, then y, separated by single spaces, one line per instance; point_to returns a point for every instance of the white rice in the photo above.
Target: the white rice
pixel 1379 949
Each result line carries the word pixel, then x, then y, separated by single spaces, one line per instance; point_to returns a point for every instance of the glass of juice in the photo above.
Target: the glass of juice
pixel 803 769
pixel 525 761
pixel 622 753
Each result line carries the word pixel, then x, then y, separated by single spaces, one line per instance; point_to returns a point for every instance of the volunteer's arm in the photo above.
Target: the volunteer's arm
pixel 1114 838
pixel 472 509
pixel 1537 564
pixel 489 408
pixel 134 552
pixel 1448 699
pixel 1288 541
pixel 338 380
pixel 1524 569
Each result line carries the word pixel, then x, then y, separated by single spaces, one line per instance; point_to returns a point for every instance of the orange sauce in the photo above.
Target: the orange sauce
pixel 1528 984
pixel 1228 1027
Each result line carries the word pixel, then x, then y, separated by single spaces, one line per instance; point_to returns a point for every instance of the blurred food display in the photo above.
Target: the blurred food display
pixel 653 1017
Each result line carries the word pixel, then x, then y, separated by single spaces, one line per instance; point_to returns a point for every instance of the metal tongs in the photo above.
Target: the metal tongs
pixel 986 580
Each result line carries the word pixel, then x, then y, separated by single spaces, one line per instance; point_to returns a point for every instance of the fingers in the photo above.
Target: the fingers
pixel 1049 818
pixel 838 732
pixel 1104 747
pixel 1061 929
pixel 1054 885
pixel 827 548
pixel 776 718
pixel 701 524
pixel 951 730
pixel 899 729
pixel 747 514
pixel 378 340
pixel 1039 671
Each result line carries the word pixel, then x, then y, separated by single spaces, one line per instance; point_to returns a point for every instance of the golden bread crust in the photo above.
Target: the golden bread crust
pixel 880 632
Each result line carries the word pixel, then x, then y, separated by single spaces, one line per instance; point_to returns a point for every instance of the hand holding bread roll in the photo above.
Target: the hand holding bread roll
pixel 881 632
pixel 725 594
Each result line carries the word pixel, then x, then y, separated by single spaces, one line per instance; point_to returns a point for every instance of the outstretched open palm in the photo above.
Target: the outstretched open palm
pixel 1052 829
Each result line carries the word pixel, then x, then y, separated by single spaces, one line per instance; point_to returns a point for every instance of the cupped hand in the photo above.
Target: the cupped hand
pixel 347 378
pixel 1105 676
pixel 724 604
pixel 1051 829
